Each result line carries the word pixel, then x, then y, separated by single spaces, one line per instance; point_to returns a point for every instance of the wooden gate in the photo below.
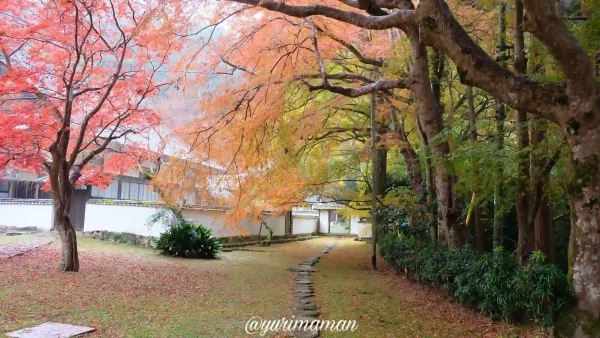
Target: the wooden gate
pixel 77 214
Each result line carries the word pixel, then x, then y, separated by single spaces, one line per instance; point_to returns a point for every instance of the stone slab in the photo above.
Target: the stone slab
pixel 307 313
pixel 303 300
pixel 50 330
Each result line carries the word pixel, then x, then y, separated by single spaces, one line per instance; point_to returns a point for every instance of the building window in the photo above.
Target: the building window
pixel 112 191
pixel 124 190
pixel 4 189
pixel 129 191
pixel 134 189
pixel 137 192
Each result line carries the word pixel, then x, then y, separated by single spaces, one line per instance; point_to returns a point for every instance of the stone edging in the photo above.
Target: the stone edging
pixel 233 246
pixel 304 307
pixel 25 201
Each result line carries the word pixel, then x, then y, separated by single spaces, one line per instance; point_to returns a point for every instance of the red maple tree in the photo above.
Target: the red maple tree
pixel 78 76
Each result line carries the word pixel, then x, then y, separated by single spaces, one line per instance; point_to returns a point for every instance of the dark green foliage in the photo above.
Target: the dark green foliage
pixel 122 237
pixel 186 239
pixel 493 283
pixel 126 237
pixel 394 219
pixel 547 288
pixel 500 298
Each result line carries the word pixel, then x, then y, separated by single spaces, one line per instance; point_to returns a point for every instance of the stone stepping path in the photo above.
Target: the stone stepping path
pixel 304 306
pixel 19 248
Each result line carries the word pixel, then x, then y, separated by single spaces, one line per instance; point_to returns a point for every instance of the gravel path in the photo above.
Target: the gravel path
pixel 21 247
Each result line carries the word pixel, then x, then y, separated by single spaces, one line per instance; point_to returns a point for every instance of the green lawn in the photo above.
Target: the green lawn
pixel 127 291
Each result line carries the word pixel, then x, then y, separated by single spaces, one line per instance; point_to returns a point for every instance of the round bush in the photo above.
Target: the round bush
pixel 186 239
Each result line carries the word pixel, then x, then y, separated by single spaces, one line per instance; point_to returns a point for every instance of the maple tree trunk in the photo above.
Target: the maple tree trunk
pixel 68 238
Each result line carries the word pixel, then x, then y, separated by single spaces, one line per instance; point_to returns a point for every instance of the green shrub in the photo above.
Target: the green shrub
pixel 501 298
pixel 547 288
pixel 466 276
pixel 429 265
pixel 493 283
pixel 186 239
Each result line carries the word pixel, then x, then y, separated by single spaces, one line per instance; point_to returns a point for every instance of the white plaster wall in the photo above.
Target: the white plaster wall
pixel 124 218
pixel 121 218
pixel 26 215
pixel 217 221
pixel 275 222
pixel 364 230
pixel 354 225
pixel 323 221
pixel 214 220
pixel 304 225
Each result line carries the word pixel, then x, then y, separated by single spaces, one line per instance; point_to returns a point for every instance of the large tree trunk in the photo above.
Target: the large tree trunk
pixel 68 237
pixel 585 153
pixel 450 231
pixel 62 181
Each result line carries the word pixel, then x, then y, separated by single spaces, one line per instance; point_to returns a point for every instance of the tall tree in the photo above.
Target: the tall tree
pixel 478 224
pixel 500 117
pixel 429 113
pixel 526 241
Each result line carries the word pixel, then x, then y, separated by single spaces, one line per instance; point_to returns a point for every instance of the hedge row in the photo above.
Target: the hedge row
pixel 493 283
